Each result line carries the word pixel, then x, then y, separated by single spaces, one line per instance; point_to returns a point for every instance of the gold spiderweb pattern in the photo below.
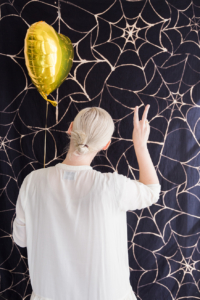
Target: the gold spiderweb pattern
pixel 127 53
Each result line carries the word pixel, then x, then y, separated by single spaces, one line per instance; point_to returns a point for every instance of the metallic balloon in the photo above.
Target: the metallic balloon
pixel 48 57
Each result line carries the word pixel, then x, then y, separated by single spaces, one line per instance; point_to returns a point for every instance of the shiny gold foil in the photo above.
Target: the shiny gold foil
pixel 48 57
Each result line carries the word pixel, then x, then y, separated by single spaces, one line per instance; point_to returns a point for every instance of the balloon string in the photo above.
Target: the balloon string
pixel 45 138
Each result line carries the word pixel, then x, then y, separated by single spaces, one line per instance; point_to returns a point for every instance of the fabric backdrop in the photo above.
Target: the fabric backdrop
pixel 127 53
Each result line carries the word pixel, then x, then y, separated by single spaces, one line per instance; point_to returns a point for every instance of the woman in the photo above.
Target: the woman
pixel 72 218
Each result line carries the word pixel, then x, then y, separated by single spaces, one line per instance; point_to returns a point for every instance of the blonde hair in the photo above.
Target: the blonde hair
pixel 92 129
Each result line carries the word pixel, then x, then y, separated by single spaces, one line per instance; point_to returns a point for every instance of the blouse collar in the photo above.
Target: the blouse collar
pixel 73 168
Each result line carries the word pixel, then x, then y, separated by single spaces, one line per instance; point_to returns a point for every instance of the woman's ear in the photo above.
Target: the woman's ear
pixel 70 128
pixel 107 145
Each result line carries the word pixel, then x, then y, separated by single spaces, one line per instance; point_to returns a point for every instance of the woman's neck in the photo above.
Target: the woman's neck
pixel 78 161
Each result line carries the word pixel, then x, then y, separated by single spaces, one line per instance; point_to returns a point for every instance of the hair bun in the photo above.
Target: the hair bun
pixel 82 149
pixel 80 139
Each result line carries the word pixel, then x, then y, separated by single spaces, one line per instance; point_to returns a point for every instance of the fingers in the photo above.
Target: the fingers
pixel 144 116
pixel 136 119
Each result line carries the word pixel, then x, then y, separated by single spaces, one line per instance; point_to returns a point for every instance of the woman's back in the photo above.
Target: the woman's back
pixel 76 231
pixel 72 219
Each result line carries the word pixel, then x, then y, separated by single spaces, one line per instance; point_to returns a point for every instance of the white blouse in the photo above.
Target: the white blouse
pixel 72 219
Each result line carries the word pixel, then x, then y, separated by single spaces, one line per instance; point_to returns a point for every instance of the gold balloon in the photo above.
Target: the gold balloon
pixel 48 57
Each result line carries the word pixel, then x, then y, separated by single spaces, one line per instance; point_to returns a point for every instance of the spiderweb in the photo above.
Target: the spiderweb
pixel 127 53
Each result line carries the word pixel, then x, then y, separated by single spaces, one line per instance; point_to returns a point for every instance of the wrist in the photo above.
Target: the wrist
pixel 140 147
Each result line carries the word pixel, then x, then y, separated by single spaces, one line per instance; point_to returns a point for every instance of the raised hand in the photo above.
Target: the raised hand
pixel 141 128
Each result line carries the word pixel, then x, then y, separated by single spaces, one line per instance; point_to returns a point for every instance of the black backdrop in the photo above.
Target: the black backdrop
pixel 126 54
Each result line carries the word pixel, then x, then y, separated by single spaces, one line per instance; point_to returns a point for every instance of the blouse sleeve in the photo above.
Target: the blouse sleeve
pixel 19 224
pixel 132 194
